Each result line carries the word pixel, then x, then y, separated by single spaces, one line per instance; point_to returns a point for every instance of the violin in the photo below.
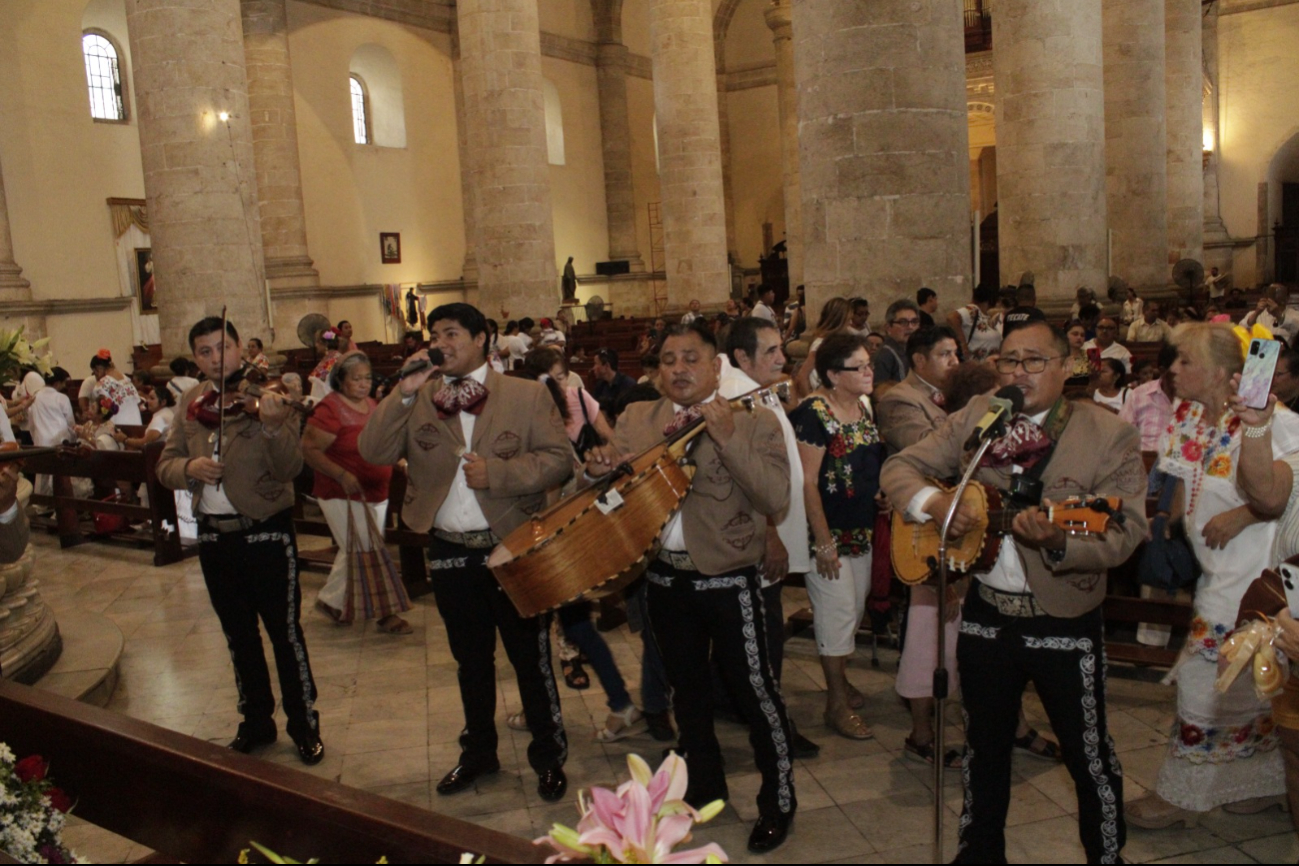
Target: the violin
pixel 240 397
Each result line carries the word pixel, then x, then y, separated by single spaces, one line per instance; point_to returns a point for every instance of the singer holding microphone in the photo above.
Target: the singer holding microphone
pixel 482 449
pixel 1035 616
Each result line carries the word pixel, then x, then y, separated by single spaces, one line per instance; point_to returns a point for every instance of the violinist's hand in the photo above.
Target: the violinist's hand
pixel 415 381
pixel 600 460
pixel 272 410
pixel 719 421
pixel 204 469
pixel 475 471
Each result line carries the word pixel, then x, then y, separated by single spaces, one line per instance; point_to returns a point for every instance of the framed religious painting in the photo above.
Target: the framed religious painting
pixel 144 279
pixel 390 248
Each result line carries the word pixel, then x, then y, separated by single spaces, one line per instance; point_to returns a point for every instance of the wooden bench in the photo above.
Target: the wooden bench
pixel 105 469
pixel 195 802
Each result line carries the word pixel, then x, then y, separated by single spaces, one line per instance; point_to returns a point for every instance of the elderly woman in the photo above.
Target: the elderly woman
pixel 117 387
pixel 1222 751
pixel 841 452
pixel 344 480
pixel 255 353
pixel 327 343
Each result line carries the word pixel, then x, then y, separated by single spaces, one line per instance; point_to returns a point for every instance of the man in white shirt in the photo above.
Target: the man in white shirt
pixel 1275 313
pixel 763 309
pixel 52 419
pixel 694 312
pixel 1149 328
pixel 757 361
pixel 1107 333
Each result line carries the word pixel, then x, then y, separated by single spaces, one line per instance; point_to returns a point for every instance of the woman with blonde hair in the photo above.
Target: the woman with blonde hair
pixel 835 317
pixel 1222 750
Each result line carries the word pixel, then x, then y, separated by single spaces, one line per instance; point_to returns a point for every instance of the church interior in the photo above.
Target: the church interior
pixel 366 161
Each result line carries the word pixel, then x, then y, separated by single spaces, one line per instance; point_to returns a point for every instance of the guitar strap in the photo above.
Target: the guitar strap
pixel 1053 426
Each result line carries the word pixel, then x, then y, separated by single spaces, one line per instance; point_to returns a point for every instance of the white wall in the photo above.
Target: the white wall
pixel 577 186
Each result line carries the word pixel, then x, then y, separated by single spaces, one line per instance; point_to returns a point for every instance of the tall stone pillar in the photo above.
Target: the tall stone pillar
pixel 500 63
pixel 884 151
pixel 780 19
pixel 275 144
pixel 1184 90
pixel 1215 230
pixel 469 270
pixel 12 285
pixel 728 189
pixel 615 140
pixel 1136 150
pixel 199 171
pixel 690 152
pixel 1050 143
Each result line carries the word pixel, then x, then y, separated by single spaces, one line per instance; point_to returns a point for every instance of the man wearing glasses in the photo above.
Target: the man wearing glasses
pixel 1035 616
pixel 1107 332
pixel 890 363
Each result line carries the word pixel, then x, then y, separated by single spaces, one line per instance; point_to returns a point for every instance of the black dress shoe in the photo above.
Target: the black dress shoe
pixel 552 784
pixel 801 747
pixel 463 776
pixel 310 749
pixel 660 726
pixel 248 738
pixel 770 832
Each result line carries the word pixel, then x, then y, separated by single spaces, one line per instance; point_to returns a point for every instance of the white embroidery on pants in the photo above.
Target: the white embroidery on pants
pixel 299 651
pixel 988 632
pixel 784 793
pixel 1091 738
pixel 548 676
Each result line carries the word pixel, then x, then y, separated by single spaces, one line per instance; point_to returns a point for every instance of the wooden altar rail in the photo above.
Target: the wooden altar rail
pixel 106 468
pixel 196 802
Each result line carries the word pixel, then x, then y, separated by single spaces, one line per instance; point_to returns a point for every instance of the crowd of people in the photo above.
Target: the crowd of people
pixel 502 427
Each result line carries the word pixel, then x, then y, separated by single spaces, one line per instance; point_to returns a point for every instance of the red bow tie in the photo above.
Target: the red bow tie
pixel 1024 444
pixel 462 395
pixel 681 419
pixel 939 400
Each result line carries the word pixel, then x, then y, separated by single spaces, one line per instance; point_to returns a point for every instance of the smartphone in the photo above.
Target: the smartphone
pixel 1256 380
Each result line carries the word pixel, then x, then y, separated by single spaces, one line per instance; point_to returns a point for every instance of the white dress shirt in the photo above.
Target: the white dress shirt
pixel 762 311
pixel 673 535
pixel 1007 573
pixel 1113 350
pixel 460 511
pixel 51 418
pixel 212 498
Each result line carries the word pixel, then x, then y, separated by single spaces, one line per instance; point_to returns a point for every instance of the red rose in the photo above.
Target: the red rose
pixel 59 799
pixel 1182 411
pixel 838 447
pixel 31 768
pixel 1191 735
pixel 1193 451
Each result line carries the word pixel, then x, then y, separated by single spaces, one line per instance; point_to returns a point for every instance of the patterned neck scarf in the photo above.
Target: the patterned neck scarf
pixel 682 418
pixel 461 395
pixel 1026 442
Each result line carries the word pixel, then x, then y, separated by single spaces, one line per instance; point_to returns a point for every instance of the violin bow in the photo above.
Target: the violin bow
pixel 221 396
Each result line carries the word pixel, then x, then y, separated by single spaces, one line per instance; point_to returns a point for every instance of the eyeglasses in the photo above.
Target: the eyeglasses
pixel 856 369
pixel 906 322
pixel 1034 364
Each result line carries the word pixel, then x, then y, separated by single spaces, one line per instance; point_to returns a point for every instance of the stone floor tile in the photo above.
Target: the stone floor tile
pixel 392 767
pixel 1281 848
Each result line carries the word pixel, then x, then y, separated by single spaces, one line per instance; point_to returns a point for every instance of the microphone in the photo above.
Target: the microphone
pixel 435 359
pixel 1004 404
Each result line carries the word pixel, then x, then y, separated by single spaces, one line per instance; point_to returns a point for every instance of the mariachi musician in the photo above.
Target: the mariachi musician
pixel 704 594
pixel 482 450
pixel 240 470
pixel 1035 616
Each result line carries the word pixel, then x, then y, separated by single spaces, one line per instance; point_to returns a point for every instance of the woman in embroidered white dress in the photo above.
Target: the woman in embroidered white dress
pixel 977 327
pixel 1222 750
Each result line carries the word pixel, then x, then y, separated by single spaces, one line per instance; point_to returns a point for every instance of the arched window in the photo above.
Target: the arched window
pixel 360 111
pixel 103 77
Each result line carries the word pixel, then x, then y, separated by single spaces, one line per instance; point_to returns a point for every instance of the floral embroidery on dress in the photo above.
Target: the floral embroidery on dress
pixel 846 446
pixel 1218 745
pixel 1197 447
pixel 1206 638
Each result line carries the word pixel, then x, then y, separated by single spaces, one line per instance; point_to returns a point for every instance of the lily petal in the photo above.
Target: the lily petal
pixel 697 855
pixel 640 771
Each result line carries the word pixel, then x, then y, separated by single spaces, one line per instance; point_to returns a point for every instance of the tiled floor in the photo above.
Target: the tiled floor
pixel 390 714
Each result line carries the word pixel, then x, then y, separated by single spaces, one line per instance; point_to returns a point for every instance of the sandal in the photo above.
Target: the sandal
pixel 396 625
pixel 1047 751
pixel 332 612
pixel 952 759
pixel 620 725
pixel 846 723
pixel 575 675
pixel 516 722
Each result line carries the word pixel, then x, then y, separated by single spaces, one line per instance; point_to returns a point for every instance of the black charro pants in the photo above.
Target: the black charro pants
pixel 252 574
pixel 695 617
pixel 474 608
pixel 1065 660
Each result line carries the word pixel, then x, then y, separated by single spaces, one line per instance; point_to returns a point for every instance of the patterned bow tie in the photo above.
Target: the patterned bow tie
pixel 1024 444
pixel 462 395
pixel 681 419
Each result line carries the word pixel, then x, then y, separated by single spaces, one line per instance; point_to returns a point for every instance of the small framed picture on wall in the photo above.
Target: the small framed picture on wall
pixel 390 247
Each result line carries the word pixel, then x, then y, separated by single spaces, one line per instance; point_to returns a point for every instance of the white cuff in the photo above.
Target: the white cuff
pixel 916 507
pixel 10 514
pixel 408 399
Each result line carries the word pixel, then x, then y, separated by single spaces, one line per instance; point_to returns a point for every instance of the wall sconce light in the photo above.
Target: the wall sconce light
pixel 223 116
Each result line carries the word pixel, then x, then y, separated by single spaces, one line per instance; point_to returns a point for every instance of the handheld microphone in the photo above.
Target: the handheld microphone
pixel 1006 403
pixel 435 359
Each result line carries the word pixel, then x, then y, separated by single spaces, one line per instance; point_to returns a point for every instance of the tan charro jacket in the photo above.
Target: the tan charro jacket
pixel 519 433
pixel 259 469
pixel 906 413
pixel 735 488
pixel 1096 453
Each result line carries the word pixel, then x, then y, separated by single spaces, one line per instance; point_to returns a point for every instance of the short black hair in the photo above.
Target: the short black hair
pixel 1118 367
pixel 985 294
pixel 179 366
pixel 466 316
pixel 924 294
pixel 526 324
pixel 58 374
pixel 608 357
pixel 763 289
pixel 166 396
pixel 1289 357
pixel 743 336
pixel 834 350
pixel 258 341
pixel 857 303
pixel 417 336
pixel 1058 338
pixel 696 327
pixel 922 342
pixel 210 325
pixel 341 323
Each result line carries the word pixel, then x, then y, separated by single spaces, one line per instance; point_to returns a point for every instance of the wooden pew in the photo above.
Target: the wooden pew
pixel 106 468
pixel 196 802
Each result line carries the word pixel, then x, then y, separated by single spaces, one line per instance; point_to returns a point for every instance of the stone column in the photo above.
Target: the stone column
pixel 1136 150
pixel 469 270
pixel 1215 230
pixel 884 150
pixel 199 171
pixel 1184 91
pixel 1051 143
pixel 275 144
pixel 12 285
pixel 615 141
pixel 728 191
pixel 500 63
pixel 780 20
pixel 690 152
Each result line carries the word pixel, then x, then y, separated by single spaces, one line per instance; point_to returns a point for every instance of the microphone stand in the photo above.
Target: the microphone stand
pixel 940 669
